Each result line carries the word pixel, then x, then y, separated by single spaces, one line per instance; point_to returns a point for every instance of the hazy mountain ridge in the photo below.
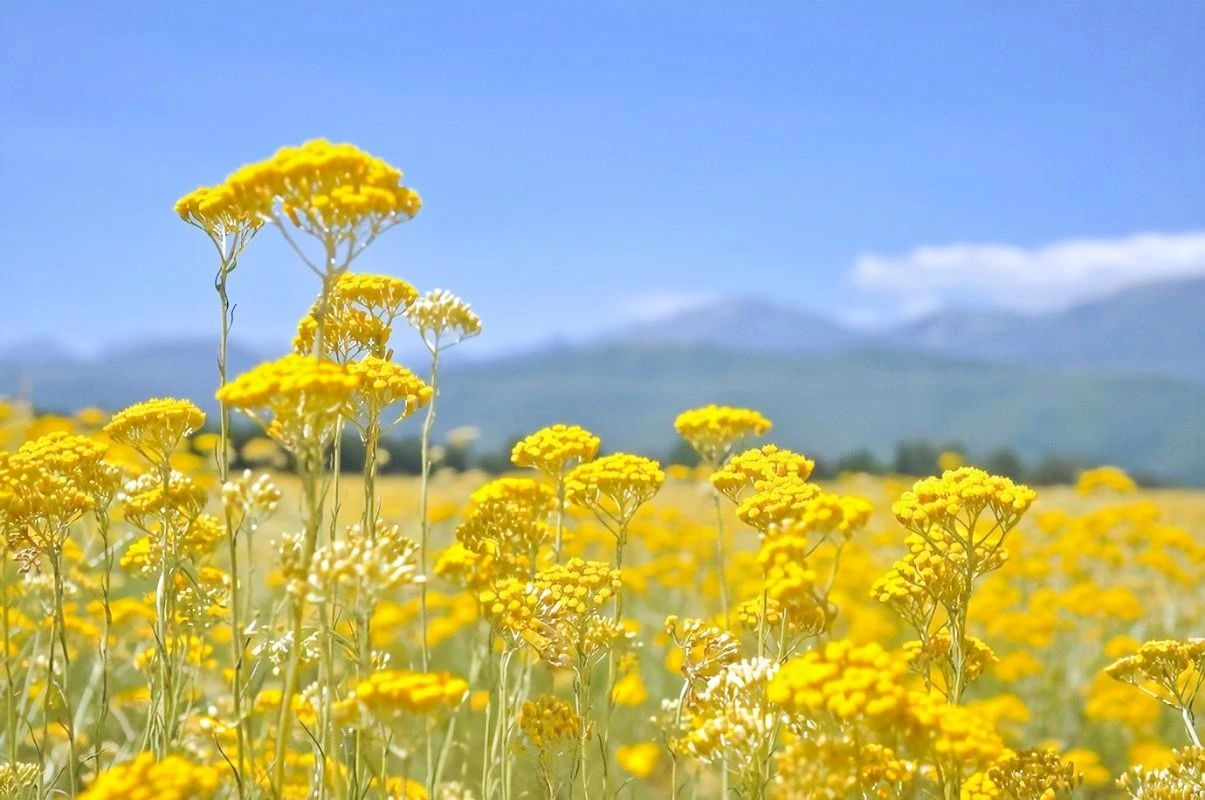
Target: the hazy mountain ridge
pixel 1119 380
pixel 1155 329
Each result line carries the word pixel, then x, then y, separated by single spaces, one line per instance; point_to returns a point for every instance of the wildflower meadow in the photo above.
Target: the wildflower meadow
pixel 591 624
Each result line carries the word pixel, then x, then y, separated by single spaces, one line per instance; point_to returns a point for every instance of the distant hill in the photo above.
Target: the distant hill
pixel 741 324
pixel 1119 380
pixel 179 368
pixel 831 404
pixel 1157 329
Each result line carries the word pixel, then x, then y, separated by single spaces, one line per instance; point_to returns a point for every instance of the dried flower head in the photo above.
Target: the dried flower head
pixel 443 320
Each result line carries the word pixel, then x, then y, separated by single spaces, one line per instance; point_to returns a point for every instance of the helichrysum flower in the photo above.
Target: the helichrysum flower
pixel 48 484
pixel 249 499
pixel 615 486
pixel 1037 774
pixel 1113 479
pixel 359 565
pixel 549 723
pixel 298 397
pixel 792 503
pixel 731 718
pixel 358 316
pixel 331 191
pixel 559 612
pixel 508 519
pixel 391 692
pixel 1182 779
pixel 713 431
pixel 145 778
pixel 228 223
pixel 555 449
pixel 1170 670
pixel 959 497
pixel 443 319
pixel 844 680
pixel 706 649
pixel 156 427
pixel 384 384
pixel 741 473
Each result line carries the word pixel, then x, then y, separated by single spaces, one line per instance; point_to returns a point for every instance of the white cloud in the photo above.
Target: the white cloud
pixel 657 305
pixel 1028 279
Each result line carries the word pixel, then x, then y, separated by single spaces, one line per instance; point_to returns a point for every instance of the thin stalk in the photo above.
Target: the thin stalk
pixel 10 706
pixel 102 712
pixel 60 630
pixel 720 565
pixel 424 545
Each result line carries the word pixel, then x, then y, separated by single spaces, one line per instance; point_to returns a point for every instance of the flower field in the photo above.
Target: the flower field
pixel 592 624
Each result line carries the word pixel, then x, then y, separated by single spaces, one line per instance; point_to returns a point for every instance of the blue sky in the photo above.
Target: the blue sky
pixel 583 164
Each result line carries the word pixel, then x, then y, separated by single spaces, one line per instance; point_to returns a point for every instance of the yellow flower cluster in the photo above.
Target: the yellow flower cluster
pixel 48 484
pixel 1171 670
pixel 615 486
pixel 328 190
pixel 148 778
pixel 714 430
pixel 358 316
pixel 1027 775
pixel 508 520
pixel 382 383
pixel 1105 479
pixel 958 498
pixel 549 723
pixel 217 211
pixel 156 427
pixel 363 566
pixel 792 503
pixel 823 766
pixel 768 463
pixel 391 692
pixel 558 612
pixel 1182 779
pixel 706 649
pixel 300 395
pixel 844 680
pixel 935 654
pixel 555 449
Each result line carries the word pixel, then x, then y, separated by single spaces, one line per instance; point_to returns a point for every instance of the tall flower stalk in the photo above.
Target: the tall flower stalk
pixel 214 211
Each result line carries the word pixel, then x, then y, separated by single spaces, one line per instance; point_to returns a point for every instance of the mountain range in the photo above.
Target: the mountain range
pixel 1154 329
pixel 1118 380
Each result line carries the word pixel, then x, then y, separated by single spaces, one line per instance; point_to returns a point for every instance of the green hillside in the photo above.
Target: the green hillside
pixel 833 404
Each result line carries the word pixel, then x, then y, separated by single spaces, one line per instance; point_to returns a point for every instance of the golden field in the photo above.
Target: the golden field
pixel 593 624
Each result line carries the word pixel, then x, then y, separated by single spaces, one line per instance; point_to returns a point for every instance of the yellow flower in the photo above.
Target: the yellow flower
pixel 145 778
pixel 549 723
pixel 629 691
pixel 1105 479
pixel 713 431
pixel 744 471
pixel 156 427
pixel 639 759
pixel 328 190
pixel 299 397
pixel 615 486
pixel 390 692
pixel 555 449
